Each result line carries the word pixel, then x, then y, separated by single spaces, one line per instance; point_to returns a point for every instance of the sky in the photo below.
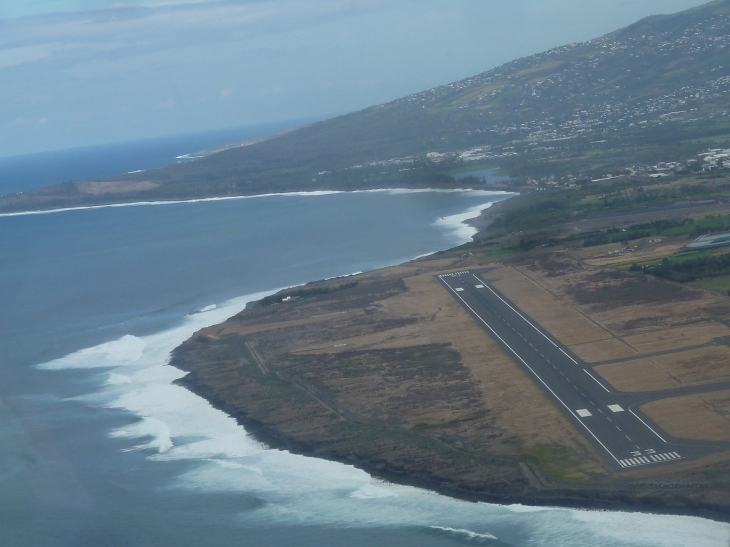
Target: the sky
pixel 84 72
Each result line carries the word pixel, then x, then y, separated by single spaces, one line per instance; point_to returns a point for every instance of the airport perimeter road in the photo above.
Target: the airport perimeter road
pixel 610 420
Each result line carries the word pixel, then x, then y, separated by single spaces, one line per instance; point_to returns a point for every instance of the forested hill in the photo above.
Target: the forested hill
pixel 649 92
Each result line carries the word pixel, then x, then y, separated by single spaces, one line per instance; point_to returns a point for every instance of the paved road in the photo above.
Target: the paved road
pixel 609 419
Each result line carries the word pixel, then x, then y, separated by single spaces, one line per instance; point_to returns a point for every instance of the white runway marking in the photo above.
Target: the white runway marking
pixel 583 413
pixel 532 370
pixel 615 408
pixel 479 286
pixel 643 460
pixel 529 323
pixel 596 380
pixel 459 289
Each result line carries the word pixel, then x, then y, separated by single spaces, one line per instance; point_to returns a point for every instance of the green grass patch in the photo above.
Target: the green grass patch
pixel 685 269
pixel 713 138
pixel 555 462
pixel 719 284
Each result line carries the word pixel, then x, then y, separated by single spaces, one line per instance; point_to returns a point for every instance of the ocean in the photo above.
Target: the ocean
pixel 99 448
pixel 32 171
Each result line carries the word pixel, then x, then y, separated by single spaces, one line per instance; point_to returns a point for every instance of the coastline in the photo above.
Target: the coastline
pixel 542 496
pixel 584 500
pixel 314 193
pixel 580 497
pixel 482 222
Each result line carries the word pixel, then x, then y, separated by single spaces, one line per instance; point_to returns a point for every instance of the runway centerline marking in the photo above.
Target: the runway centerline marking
pixel 531 369
pixel 528 322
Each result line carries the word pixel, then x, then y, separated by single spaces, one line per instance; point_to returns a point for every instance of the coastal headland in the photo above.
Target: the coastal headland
pixel 641 101
pixel 389 372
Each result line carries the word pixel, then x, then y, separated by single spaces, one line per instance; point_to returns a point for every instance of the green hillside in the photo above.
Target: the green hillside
pixel 656 91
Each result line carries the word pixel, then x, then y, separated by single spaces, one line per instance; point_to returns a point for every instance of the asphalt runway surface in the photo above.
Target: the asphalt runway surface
pixel 610 420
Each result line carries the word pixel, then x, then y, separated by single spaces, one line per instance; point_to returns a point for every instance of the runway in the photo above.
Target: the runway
pixel 610 420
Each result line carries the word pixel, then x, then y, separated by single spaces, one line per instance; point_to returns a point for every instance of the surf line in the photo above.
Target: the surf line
pixel 315 193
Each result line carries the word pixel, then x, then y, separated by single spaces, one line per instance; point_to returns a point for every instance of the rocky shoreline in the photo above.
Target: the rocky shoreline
pixel 241 368
pixel 570 499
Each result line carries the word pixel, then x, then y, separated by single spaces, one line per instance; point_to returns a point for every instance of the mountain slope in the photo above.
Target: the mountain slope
pixel 643 93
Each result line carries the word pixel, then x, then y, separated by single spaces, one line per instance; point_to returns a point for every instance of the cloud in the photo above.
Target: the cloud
pixel 15 56
pixel 154 67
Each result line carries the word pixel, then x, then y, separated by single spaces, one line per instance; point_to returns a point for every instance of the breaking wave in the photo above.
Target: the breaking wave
pixel 257 196
pixel 169 423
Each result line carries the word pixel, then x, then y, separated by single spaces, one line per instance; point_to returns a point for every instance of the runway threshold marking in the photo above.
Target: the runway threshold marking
pixel 531 369
pixel 652 458
pixel 527 321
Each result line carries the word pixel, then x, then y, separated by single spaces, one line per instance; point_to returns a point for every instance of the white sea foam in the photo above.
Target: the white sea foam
pixel 393 191
pixel 123 352
pixel 456 223
pixel 373 491
pixel 173 424
pixel 465 533
pixel 664 530
pixel 114 379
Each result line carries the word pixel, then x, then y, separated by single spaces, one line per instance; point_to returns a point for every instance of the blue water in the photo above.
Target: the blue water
pixel 99 448
pixel 32 171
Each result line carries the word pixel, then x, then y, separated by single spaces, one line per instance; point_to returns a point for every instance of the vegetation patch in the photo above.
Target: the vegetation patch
pixel 555 463
pixel 687 271
pixel 628 292
pixel 303 293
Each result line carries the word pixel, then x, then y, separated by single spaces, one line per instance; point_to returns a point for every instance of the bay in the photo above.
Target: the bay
pixel 98 447
pixel 32 171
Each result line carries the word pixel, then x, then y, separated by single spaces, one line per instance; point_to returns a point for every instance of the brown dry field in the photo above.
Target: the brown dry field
pixel 702 417
pixel 679 337
pixel 516 405
pixel 619 328
pixel 325 368
pixel 692 367
pixel 603 350
pixel 637 375
pixel 418 387
pixel 564 321
pixel 606 314
pixel 98 188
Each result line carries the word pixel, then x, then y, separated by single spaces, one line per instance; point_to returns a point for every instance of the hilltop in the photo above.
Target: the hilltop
pixel 656 91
